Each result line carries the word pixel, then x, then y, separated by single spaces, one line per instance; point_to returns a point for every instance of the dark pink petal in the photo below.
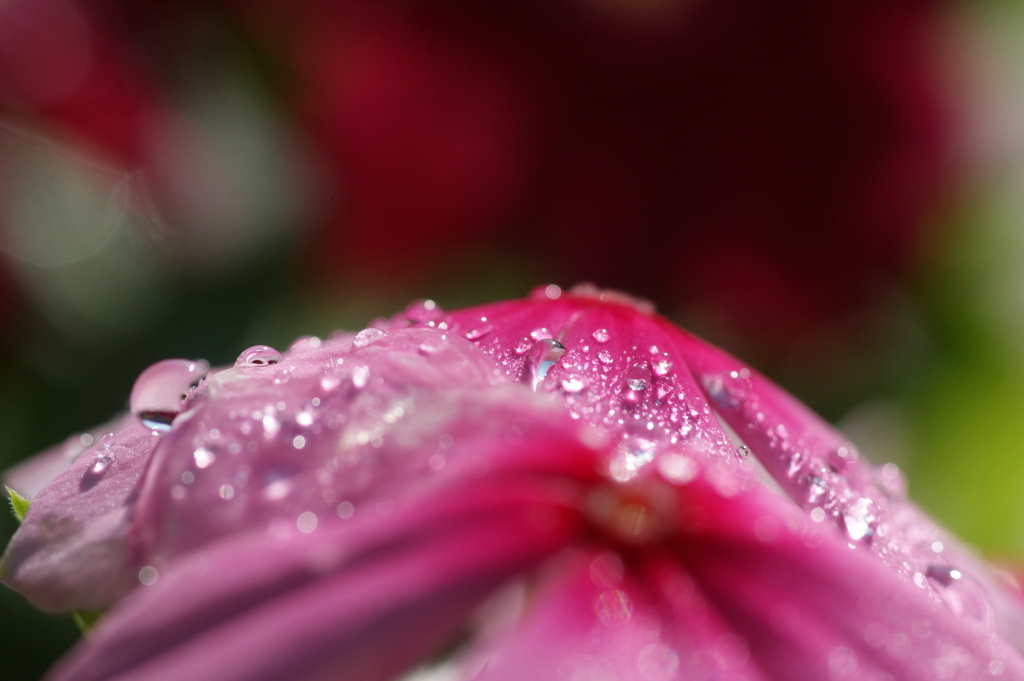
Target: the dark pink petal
pixel 597 619
pixel 809 607
pixel 615 345
pixel 69 553
pixel 357 600
pixel 623 371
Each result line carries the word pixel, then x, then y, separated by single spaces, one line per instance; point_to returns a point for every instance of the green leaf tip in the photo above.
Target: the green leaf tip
pixel 19 504
pixel 85 619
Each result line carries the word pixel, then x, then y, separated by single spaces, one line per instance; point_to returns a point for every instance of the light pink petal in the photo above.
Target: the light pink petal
pixel 351 422
pixel 358 600
pixel 69 553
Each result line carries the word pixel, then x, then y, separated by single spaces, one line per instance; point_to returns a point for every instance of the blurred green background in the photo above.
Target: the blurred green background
pixel 836 195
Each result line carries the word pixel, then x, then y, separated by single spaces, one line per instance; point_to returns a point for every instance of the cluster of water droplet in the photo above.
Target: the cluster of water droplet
pixel 663 410
pixel 633 384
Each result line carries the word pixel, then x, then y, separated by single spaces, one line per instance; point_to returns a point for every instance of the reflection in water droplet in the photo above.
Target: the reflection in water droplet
pixel 100 464
pixel 637 377
pixel 542 356
pixel 661 365
pixel 479 332
pixel 742 452
pixel 727 389
pixel 573 385
pixel 160 392
pixel 860 518
pixel 203 457
pixel 943 575
pixel 258 356
pixel 601 335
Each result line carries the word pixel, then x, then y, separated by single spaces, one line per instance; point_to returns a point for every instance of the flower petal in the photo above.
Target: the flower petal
pixel 365 598
pixel 69 553
pixel 811 608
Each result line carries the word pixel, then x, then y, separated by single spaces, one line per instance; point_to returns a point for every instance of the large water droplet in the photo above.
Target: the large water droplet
pixel 961 593
pixel 367 336
pixel 542 356
pixel 478 332
pixel 601 335
pixel 160 391
pixel 637 377
pixel 100 464
pixel 860 518
pixel 258 356
pixel 727 389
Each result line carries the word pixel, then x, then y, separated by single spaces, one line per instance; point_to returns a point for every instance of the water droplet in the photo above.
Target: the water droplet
pixel 816 487
pixel 542 356
pixel 638 377
pixel 943 575
pixel 258 356
pixel 160 392
pixel 203 457
pixel 367 336
pixel 524 344
pixel 601 335
pixel 573 385
pixel 360 376
pixel 478 332
pixel 100 464
pixel 727 389
pixel 860 518
pixel 605 357
pixel 661 365
pixel 742 452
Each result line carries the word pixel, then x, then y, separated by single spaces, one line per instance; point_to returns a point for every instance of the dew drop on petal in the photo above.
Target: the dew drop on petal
pixel 661 365
pixel 160 392
pixel 524 345
pixel 727 389
pixel 479 332
pixel 573 385
pixel 368 336
pixel 100 464
pixel 203 457
pixel 258 356
pixel 638 377
pixel 601 335
pixel 542 356
pixel 860 519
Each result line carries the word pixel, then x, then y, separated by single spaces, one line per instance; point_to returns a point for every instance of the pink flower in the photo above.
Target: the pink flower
pixel 557 487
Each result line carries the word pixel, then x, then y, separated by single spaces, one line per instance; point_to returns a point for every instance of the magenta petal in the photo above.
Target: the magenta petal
pixel 623 372
pixel 354 600
pixel 595 620
pixel 811 608
pixel 69 553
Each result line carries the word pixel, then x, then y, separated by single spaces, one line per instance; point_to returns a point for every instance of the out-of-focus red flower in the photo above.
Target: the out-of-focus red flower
pixel 788 152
